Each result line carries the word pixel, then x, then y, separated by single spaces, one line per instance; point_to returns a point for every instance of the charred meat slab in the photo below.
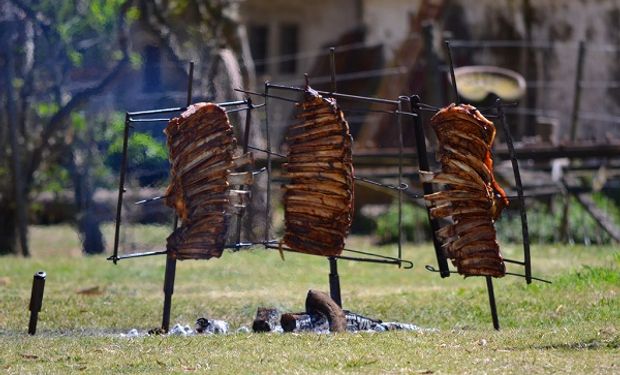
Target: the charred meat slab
pixel 202 148
pixel 472 199
pixel 318 200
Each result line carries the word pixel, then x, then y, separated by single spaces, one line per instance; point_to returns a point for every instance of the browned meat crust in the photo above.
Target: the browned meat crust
pixel 472 199
pixel 201 146
pixel 318 200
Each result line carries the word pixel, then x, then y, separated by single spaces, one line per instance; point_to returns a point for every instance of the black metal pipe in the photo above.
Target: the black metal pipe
pixel 514 261
pixel 171 260
pixel 149 200
pixel 268 140
pixel 248 123
pixel 457 100
pixel 165 252
pixel 394 261
pixel 121 189
pixel 171 265
pixel 423 163
pixel 577 90
pixel 515 168
pixel 263 95
pixel 532 277
pixel 334 278
pixel 329 94
pixel 385 257
pixel 246 144
pixel 190 83
pixel 339 95
pixel 273 244
pixel 502 44
pixel 132 120
pixel 432 269
pixel 403 102
pixel 363 110
pixel 334 281
pixel 139 255
pixel 233 103
pixel 179 109
pixel 241 109
pixel 332 65
pixel 156 111
pixel 382 259
pixel 492 303
pixel 36 300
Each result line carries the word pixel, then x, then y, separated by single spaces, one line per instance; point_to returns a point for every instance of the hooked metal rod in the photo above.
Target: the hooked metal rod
pixel 381 259
pixel 360 110
pixel 271 244
pixel 339 95
pixel 517 175
pixel 430 268
pixel 178 109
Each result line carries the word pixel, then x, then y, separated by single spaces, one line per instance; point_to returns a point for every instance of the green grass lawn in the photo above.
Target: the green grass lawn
pixel 570 326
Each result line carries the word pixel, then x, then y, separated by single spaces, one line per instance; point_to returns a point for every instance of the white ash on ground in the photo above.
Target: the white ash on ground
pixel 322 315
pixel 211 326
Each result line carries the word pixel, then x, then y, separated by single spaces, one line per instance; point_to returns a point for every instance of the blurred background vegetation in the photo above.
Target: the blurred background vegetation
pixel 70 69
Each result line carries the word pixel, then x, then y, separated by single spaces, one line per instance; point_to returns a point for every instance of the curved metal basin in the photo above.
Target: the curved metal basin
pixel 475 83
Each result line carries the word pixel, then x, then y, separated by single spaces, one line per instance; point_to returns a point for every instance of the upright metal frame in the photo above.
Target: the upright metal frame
pixel 334 277
pixel 405 108
pixel 441 259
pixel 132 118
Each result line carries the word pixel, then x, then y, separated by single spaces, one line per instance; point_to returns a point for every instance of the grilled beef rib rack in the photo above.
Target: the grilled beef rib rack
pixel 473 199
pixel 202 149
pixel 318 200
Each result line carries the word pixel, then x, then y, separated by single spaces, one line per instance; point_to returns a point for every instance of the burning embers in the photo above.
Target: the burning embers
pixel 318 200
pixel 322 315
pixel 202 148
pixel 473 199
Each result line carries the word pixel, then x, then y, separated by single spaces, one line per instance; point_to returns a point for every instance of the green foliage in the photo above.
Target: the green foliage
pixel 54 179
pixel 78 121
pixel 415 226
pixel 45 109
pixel 143 150
pixel 610 206
pixel 136 60
pixel 544 222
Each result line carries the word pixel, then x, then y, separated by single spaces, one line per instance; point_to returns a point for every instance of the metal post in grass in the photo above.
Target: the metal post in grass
pixel 171 266
pixel 519 185
pixel 492 303
pixel 334 281
pixel 36 300
pixel 334 278
pixel 171 259
pixel 427 187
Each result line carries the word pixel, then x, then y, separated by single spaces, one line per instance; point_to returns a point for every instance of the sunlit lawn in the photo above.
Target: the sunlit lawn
pixel 570 326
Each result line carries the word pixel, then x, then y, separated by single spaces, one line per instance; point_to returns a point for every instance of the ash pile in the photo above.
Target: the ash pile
pixel 322 315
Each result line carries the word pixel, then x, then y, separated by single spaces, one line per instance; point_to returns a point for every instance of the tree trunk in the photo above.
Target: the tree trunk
pixel 19 189
pixel 8 228
pixel 90 233
pixel 88 224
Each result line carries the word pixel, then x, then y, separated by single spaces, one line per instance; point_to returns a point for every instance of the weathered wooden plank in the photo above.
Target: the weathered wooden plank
pixel 600 216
